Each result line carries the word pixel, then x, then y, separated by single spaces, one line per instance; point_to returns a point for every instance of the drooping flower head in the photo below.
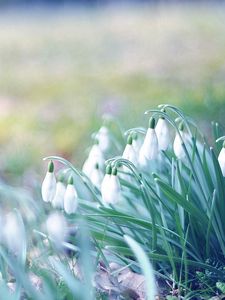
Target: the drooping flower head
pixel 57 228
pixel 70 198
pixel 95 157
pixel 103 137
pixel 13 233
pixel 58 200
pixel 96 176
pixel 129 153
pixel 149 149
pixel 110 188
pixel 137 141
pixel 48 189
pixel 163 133
pixel 178 144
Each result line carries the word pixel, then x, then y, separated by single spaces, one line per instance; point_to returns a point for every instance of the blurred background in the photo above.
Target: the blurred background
pixel 63 64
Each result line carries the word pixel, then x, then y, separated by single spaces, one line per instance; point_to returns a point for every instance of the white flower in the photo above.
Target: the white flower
pixel 137 141
pixel 103 137
pixel 57 228
pixel 221 159
pixel 163 134
pixel 149 149
pixel 95 157
pixel 106 182
pixel 58 200
pixel 129 153
pixel 178 144
pixel 96 176
pixel 49 184
pixel 70 198
pixel 13 233
pixel 110 187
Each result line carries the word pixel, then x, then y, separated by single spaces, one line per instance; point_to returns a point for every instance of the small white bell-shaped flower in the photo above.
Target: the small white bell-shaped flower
pixel 136 141
pixel 111 188
pixel 57 228
pixel 95 157
pixel 221 159
pixel 13 233
pixel 129 153
pixel 58 200
pixel 178 144
pixel 105 184
pixel 103 137
pixel 70 198
pixel 149 149
pixel 96 176
pixel 163 133
pixel 48 188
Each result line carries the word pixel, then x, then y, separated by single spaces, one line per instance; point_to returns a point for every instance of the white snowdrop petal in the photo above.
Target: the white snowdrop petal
pixel 177 145
pixel 105 187
pixel 57 228
pixel 48 188
pixel 163 134
pixel 149 149
pixel 96 177
pixel 110 189
pixel 221 160
pixel 13 233
pixel 58 200
pixel 70 200
pixel 103 137
pixel 137 143
pixel 95 157
pixel 130 154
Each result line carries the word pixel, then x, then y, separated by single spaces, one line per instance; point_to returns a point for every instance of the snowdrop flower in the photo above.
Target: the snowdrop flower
pixel 137 142
pixel 221 159
pixel 95 157
pixel 163 133
pixel 110 186
pixel 13 234
pixel 96 176
pixel 49 184
pixel 57 228
pixel 103 137
pixel 149 149
pixel 178 144
pixel 129 153
pixel 70 198
pixel 106 182
pixel 58 200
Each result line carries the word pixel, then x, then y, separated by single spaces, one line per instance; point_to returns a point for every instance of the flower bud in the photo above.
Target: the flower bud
pixel 103 137
pixel 13 234
pixel 58 200
pixel 96 176
pixel 57 228
pixel 163 134
pixel 95 157
pixel 48 189
pixel 149 149
pixel 111 188
pixel 70 198
pixel 178 144
pixel 129 153
pixel 136 141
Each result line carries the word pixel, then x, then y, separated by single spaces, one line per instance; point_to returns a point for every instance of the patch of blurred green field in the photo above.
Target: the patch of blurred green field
pixel 60 70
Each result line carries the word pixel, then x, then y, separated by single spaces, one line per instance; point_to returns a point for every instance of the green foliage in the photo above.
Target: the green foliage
pixel 170 213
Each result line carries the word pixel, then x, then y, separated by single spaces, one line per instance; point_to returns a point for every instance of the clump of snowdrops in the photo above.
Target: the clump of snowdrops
pixel 157 195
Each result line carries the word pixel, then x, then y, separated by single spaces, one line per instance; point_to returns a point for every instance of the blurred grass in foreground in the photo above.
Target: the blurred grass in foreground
pixel 62 69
